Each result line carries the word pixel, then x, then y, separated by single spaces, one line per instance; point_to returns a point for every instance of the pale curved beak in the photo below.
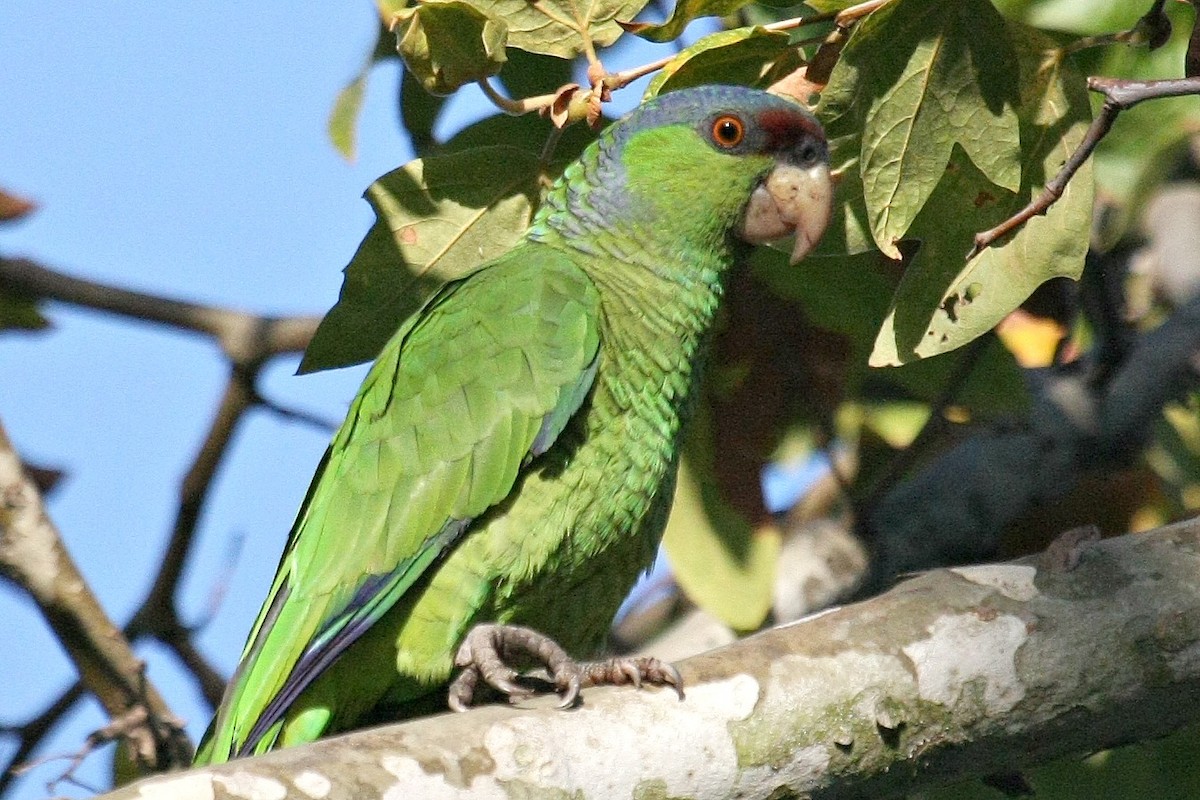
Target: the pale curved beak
pixel 790 200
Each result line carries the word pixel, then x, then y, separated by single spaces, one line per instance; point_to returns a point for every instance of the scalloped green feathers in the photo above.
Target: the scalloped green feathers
pixel 511 455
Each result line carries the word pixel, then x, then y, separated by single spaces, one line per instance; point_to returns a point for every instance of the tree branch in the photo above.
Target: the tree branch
pixel 953 674
pixel 248 341
pixel 32 555
pixel 1119 95
pixel 955 508
pixel 243 336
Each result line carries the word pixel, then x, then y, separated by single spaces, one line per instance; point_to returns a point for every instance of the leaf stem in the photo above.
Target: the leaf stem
pixel 619 80
pixel 515 108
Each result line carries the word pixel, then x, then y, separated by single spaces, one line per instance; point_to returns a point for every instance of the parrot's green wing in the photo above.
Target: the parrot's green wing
pixel 482 379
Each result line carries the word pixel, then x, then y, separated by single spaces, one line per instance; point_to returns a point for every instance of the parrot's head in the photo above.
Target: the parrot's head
pixel 723 161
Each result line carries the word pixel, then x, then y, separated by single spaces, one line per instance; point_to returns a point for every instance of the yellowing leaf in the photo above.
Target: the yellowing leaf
pixel 723 565
pixel 1033 341
pixel 735 56
pixel 343 120
pixel 558 27
pixel 449 43
pixel 437 219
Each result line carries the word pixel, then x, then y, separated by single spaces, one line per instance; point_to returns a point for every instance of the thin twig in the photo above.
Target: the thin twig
pixel 31 733
pixel 619 80
pixel 237 332
pixel 1152 29
pixel 1119 95
pixel 515 108
pixel 121 727
pixel 320 423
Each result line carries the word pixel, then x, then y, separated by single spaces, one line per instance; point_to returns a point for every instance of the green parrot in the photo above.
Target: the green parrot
pixel 505 471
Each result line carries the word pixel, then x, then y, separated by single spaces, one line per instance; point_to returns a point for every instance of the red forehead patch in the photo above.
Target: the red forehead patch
pixel 785 128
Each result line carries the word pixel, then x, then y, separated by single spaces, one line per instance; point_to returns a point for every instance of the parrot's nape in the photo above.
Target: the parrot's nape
pixel 510 459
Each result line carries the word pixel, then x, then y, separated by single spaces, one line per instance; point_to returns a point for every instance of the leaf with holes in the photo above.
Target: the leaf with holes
pixel 437 219
pixel 560 27
pixel 942 303
pixel 737 56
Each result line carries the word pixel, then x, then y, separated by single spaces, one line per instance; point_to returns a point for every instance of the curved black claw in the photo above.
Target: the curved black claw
pixel 485 655
pixel 635 671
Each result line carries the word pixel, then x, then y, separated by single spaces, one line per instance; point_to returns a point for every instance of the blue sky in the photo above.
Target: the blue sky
pixel 177 150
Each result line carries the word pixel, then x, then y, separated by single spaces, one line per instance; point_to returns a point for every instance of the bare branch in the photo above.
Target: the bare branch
pixel 244 337
pixel 957 506
pixel 32 555
pixel 248 341
pixel 119 728
pixel 30 734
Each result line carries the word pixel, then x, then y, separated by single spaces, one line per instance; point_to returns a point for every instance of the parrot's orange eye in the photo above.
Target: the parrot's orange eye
pixel 728 131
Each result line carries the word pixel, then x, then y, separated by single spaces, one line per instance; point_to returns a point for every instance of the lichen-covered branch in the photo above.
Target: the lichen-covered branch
pixel 955 673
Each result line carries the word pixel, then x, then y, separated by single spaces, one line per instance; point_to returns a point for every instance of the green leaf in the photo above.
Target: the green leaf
pixel 437 219
pixel 1077 16
pixel 419 112
pixel 528 132
pixel 449 43
pixel 942 302
pixel 924 76
pixel 389 8
pixel 735 56
pixel 528 74
pixel 20 313
pixel 849 295
pixel 343 119
pixel 685 11
pixel 560 27
pixel 721 563
pixel 827 6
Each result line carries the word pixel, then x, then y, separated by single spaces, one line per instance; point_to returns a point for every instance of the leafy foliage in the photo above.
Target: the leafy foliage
pixel 437 220
pixel 685 11
pixel 944 118
pixel 734 56
pixel 563 28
